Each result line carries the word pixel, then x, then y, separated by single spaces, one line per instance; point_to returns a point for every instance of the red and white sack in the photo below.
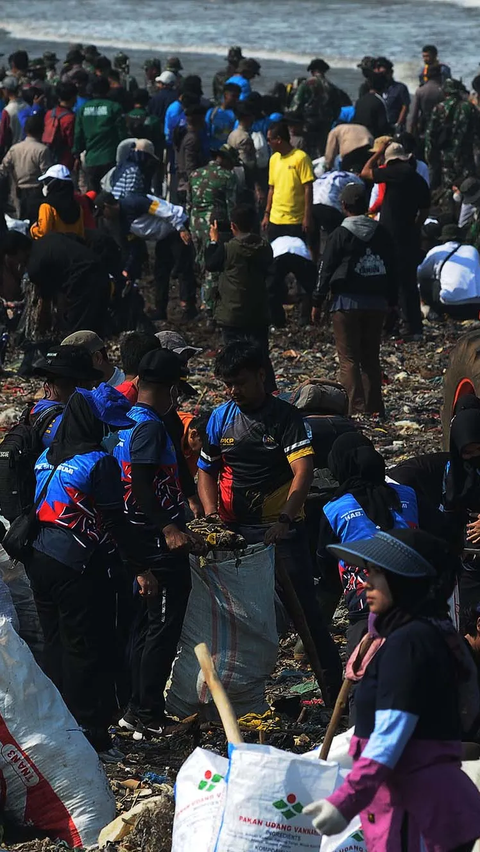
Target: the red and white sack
pixel 199 798
pixel 50 776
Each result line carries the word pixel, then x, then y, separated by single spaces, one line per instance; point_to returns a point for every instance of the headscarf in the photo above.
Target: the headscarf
pixel 360 470
pixel 80 432
pixel 60 196
pixel 463 477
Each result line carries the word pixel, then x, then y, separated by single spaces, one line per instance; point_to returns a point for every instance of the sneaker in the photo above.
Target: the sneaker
pixel 128 721
pixel 149 730
pixel 111 755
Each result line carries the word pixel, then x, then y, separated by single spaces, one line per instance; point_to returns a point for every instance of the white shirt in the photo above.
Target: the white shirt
pixel 460 276
pixel 290 245
pixel 327 189
pixel 117 377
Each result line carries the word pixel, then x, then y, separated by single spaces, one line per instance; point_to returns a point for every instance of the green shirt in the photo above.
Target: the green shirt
pixel 213 189
pixel 99 128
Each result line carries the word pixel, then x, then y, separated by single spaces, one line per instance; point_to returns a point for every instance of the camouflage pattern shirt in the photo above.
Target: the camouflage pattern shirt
pixel 212 189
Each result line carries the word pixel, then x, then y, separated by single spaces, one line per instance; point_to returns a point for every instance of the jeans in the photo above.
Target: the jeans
pixel 156 630
pixel 357 338
pixel 77 615
pixel 294 555
pixel 172 255
pixel 260 336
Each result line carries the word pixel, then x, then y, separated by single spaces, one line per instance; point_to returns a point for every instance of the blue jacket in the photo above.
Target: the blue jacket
pixel 244 85
pixel 349 522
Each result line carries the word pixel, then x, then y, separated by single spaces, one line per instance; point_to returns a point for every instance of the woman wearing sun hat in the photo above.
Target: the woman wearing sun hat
pixel 60 212
pixel 416 695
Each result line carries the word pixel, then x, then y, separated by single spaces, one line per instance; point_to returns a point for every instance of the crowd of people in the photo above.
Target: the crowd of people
pixel 372 210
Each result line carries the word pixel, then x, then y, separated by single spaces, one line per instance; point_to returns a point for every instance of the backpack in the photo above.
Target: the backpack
pixel 19 451
pixel 52 133
pixel 262 151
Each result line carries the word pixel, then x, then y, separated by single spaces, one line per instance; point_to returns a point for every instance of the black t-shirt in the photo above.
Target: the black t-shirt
pixel 406 193
pixel 370 111
pixel 414 672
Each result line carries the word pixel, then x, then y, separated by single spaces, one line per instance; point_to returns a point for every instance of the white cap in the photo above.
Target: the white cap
pixel 58 172
pixel 167 78
pixel 147 146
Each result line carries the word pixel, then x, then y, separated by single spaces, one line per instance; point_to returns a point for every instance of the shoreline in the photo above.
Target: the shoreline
pixel 204 64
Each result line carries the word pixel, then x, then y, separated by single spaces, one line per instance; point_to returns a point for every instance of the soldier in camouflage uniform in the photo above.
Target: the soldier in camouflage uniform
pixel 451 135
pixel 122 63
pixel 153 69
pixel 212 189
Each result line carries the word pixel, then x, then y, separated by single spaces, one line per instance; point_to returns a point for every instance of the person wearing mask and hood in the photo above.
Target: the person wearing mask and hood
pixel 416 695
pixel 60 212
pixel 362 504
pixel 135 174
pixel 79 505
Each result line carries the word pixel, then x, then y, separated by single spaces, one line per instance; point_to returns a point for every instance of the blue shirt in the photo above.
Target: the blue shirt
pixel 395 97
pixel 52 426
pixel 244 85
pixel 174 117
pixel 149 443
pixel 220 123
pixel 80 102
pixel 71 526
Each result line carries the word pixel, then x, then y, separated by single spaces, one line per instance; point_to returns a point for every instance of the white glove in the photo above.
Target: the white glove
pixel 326 818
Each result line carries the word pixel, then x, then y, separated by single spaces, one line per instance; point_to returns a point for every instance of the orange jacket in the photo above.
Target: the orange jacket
pixel 49 222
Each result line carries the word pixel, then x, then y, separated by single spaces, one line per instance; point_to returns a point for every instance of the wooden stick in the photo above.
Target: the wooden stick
pixel 342 700
pixel 220 697
pixel 295 610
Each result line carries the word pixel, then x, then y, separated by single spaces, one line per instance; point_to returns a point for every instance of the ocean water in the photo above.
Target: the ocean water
pixel 292 31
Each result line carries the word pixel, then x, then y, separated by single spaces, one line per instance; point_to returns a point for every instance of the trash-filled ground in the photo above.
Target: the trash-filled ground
pixel 413 396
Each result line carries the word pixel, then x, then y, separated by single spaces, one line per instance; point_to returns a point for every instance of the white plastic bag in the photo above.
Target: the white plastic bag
pixel 14 575
pixel 232 609
pixel 267 790
pixel 349 840
pixel 50 776
pixel 199 798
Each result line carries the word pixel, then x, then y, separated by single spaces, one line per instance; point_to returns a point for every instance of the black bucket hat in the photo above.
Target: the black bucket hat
pixel 71 362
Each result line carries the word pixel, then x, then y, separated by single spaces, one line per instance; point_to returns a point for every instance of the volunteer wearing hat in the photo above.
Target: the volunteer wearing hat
pixel 404 210
pixel 134 175
pixel 164 95
pixel 79 505
pixel 60 213
pixel 63 369
pixel 97 349
pixel 11 130
pixel 154 503
pixel 152 68
pixel 233 59
pixel 407 782
pixel 358 273
pixel 177 343
pixel 246 71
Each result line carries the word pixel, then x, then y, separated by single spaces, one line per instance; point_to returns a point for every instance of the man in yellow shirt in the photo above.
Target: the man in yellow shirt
pixel 290 187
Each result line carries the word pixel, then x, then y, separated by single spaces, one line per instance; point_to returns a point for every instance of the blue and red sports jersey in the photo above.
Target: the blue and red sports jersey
pixel 52 426
pixel 70 513
pixel 149 443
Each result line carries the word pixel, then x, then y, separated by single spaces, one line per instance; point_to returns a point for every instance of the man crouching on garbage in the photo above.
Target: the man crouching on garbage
pixel 255 470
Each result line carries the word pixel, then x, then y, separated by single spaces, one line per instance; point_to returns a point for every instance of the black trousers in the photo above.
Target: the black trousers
pixel 77 615
pixel 294 555
pixel 274 231
pixel 94 174
pixel 156 631
pixel 305 273
pixel 260 336
pixel 173 256
pixel 408 296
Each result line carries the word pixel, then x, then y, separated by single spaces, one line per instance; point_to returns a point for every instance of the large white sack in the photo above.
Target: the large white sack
pixel 232 609
pixel 199 797
pixel 14 575
pixel 50 774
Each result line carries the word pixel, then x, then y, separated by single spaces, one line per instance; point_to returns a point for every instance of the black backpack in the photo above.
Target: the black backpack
pixel 19 451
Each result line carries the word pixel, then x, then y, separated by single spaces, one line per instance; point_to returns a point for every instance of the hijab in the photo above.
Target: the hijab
pixel 463 480
pixel 80 432
pixel 360 470
pixel 60 196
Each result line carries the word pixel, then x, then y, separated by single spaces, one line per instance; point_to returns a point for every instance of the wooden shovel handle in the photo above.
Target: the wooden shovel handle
pixel 220 697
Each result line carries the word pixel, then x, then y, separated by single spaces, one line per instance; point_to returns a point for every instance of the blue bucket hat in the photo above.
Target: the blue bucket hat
pixel 386 551
pixel 109 405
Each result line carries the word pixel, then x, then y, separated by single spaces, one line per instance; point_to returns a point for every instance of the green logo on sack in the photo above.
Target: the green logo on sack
pixel 358 836
pixel 209 781
pixel 289 809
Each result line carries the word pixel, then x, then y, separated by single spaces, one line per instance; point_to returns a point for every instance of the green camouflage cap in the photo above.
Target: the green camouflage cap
pixel 152 63
pixel 120 60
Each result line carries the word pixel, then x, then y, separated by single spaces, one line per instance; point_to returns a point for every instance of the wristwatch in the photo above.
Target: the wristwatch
pixel 284 519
